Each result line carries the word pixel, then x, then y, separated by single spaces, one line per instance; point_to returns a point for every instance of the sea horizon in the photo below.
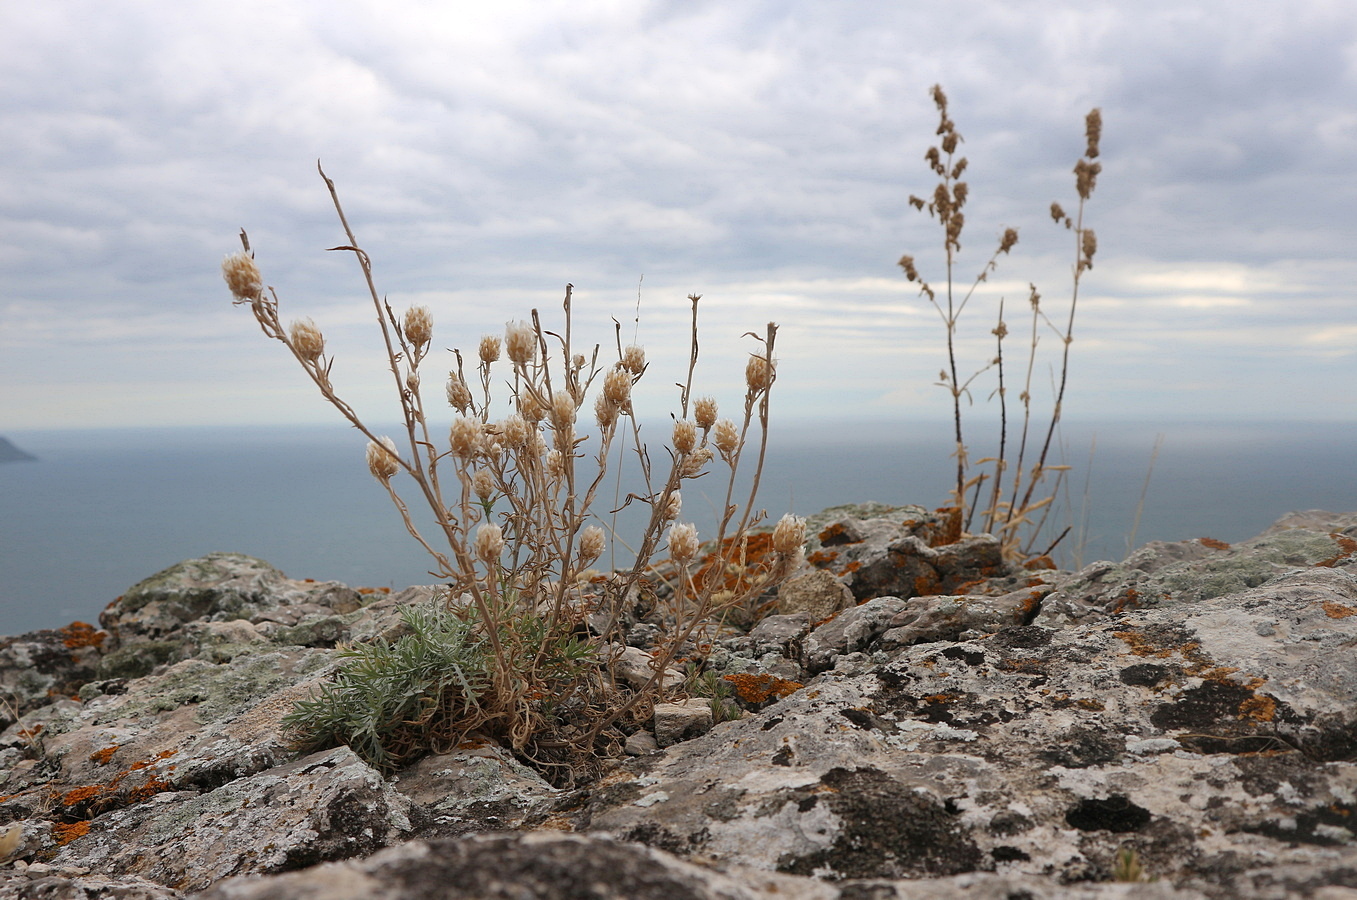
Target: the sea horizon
pixel 101 509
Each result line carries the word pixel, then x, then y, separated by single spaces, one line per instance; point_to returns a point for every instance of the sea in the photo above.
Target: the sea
pixel 100 510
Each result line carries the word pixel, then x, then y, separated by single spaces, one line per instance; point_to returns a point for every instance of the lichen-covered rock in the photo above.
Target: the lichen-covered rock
pixel 1217 741
pixel 1022 735
pixel 478 787
pixel 329 805
pixel 1203 568
pixel 519 867
pixel 41 666
pixel 45 882
pixel 905 557
pixel 222 587
pixel 816 594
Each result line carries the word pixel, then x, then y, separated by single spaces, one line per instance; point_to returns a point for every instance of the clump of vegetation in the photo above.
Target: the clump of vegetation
pixel 1016 509
pixel 512 482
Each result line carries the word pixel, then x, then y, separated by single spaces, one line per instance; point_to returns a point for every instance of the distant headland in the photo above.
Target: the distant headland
pixel 11 453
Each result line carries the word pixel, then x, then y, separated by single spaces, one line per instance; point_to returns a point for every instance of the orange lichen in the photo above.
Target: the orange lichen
pixel 154 785
pixel 103 756
pixel 1032 603
pixel 946 531
pixel 65 833
pixel 1347 545
pixel 739 565
pixel 822 557
pixel 1129 599
pixel 1039 562
pixel 1260 708
pixel 836 534
pixel 1337 610
pixel 82 634
pixel 760 688
pixel 368 590
pixel 1213 543
pixel 1024 666
pixel 29 733
pixel 1090 704
pixel 81 794
pixel 927 585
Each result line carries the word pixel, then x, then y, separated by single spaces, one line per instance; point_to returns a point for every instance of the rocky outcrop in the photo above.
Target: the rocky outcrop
pixel 1188 715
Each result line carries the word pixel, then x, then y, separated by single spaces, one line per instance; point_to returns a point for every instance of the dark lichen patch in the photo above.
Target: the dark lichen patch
pixel 1147 675
pixel 1023 637
pixel 1080 748
pixel 969 657
pixel 1324 826
pixel 1331 738
pixel 1116 814
pixel 1009 854
pixel 1263 775
pixel 659 837
pixel 1007 823
pixel 888 831
pixel 864 718
pixel 783 757
pixel 1205 706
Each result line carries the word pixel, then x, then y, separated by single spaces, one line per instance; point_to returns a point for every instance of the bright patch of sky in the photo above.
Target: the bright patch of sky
pixel 758 153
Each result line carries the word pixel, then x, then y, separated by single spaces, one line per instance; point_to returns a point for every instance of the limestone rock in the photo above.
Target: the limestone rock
pixel 681 721
pixel 815 594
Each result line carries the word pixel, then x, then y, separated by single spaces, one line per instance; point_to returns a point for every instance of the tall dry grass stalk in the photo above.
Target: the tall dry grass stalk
pixel 512 484
pixel 1016 511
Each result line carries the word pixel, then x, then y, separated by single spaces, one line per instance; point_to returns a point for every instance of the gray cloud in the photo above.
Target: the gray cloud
pixel 759 153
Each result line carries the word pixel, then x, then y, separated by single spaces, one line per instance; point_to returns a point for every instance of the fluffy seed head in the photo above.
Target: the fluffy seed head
pixel 704 412
pixel 382 459
pixel 758 373
pixel 693 463
pixel 605 412
pixel 1057 213
pixel 562 410
pixel 1093 130
pixel 907 263
pixel 412 382
pixel 242 276
pixel 489 542
pixel 489 349
pixel 634 359
pixel 674 506
pixel 483 483
pixel 531 409
pixel 521 342
pixel 1086 177
pixel 789 537
pixel 685 436
pixel 306 339
pixel 682 542
pixel 1089 244
pixel 459 396
pixel 726 438
pixel 1009 239
pixel 591 544
pixel 515 431
pixel 555 465
pixel 418 326
pixel 617 388
pixel 464 438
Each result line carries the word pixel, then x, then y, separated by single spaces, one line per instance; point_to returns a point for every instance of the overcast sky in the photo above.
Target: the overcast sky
pixel 758 153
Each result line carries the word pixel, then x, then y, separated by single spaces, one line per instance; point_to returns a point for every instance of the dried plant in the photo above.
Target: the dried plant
pixel 512 490
pixel 1015 512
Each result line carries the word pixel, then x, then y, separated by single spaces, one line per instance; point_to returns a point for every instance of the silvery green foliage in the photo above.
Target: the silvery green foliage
pixel 390 700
